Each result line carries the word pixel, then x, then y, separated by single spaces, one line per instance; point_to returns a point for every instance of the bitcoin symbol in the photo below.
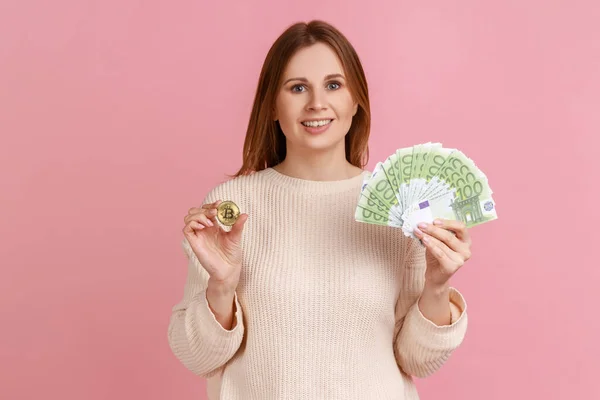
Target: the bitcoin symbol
pixel 228 212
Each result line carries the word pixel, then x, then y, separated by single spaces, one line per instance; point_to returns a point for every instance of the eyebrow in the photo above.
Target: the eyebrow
pixel 302 79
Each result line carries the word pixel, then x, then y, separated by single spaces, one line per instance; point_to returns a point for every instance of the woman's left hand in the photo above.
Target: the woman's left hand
pixel 448 245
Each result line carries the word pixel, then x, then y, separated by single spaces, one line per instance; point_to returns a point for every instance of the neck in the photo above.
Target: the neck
pixel 326 166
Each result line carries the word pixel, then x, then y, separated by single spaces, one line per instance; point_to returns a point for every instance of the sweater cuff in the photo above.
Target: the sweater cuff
pixel 439 337
pixel 221 339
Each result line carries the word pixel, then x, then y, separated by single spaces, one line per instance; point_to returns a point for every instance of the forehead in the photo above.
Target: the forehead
pixel 314 63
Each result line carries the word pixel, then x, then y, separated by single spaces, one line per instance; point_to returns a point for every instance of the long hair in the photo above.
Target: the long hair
pixel 264 145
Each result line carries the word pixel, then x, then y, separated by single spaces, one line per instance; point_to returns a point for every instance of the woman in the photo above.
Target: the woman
pixel 297 300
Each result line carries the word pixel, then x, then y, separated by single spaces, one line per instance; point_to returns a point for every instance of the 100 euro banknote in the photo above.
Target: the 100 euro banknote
pixel 422 183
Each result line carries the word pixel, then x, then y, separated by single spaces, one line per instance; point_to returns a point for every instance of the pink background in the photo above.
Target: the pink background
pixel 118 116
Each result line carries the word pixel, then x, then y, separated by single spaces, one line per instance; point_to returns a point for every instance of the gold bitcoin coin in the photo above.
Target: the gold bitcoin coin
pixel 228 212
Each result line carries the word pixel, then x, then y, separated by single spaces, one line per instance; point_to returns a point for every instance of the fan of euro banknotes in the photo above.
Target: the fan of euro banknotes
pixel 424 182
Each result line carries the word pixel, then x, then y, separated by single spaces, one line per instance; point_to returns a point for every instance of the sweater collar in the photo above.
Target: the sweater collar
pixel 310 186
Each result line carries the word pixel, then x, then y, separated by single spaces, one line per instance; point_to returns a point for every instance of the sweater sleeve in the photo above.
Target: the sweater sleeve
pixel 422 347
pixel 195 336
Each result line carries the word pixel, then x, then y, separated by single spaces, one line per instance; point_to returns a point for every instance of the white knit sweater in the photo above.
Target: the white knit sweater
pixel 326 307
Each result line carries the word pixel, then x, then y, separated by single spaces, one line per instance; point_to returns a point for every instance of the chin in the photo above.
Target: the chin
pixel 322 143
pixel 328 140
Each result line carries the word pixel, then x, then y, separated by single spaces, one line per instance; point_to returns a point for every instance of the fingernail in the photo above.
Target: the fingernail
pixel 209 223
pixel 425 239
pixel 422 225
pixel 437 222
pixel 418 232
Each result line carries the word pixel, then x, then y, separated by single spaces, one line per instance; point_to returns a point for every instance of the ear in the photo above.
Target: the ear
pixel 355 109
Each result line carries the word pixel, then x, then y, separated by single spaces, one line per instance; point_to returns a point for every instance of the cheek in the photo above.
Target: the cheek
pixel 344 105
pixel 286 107
pixel 287 114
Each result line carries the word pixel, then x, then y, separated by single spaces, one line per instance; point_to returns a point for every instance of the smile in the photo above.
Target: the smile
pixel 315 124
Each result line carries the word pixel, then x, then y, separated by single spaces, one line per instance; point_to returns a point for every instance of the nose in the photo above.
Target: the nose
pixel 317 101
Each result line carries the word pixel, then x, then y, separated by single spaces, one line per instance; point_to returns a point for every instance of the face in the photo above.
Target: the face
pixel 314 106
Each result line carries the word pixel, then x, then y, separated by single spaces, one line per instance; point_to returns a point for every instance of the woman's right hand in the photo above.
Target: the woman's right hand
pixel 218 251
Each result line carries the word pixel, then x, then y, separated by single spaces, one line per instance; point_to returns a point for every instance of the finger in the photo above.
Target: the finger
pixel 194 225
pixel 458 250
pixel 439 249
pixel 238 226
pixel 458 227
pixel 444 235
pixel 200 218
pixel 212 205
pixel 194 210
pixel 203 219
pixel 211 214
pixel 191 228
pixel 438 253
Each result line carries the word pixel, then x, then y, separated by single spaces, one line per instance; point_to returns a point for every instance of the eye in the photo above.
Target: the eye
pixel 297 86
pixel 336 85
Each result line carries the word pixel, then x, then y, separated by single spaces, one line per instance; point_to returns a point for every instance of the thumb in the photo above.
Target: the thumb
pixel 237 228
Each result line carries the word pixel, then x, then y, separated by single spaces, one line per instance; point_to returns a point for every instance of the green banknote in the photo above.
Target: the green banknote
pixel 424 182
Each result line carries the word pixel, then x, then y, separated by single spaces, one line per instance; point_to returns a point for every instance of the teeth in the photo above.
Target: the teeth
pixel 316 123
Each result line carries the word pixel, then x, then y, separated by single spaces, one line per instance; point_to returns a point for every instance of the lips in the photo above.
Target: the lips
pixel 315 123
pixel 316 127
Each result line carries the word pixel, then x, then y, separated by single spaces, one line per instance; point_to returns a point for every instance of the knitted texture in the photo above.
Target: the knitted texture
pixel 326 307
